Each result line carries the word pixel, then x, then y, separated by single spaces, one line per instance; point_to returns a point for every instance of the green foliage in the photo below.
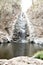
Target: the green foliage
pixel 39 55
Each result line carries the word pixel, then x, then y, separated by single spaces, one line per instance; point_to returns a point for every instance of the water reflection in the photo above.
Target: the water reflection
pixel 18 49
pixel 6 51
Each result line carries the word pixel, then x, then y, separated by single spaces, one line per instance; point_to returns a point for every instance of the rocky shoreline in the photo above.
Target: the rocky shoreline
pixel 22 60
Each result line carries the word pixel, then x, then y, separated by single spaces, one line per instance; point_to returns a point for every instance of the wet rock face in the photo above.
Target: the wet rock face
pixel 35 16
pixel 9 11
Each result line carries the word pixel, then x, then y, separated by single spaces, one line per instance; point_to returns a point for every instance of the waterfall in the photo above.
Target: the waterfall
pixel 25 5
pixel 20 31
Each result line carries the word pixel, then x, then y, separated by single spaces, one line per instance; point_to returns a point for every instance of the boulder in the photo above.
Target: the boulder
pixel 21 61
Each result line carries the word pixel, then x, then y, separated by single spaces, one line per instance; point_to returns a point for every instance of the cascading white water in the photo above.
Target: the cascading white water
pixel 25 5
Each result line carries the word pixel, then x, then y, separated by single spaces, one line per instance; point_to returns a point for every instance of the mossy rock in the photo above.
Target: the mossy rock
pixel 39 55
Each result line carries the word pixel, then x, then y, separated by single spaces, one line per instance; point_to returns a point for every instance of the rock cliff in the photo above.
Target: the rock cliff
pixel 9 11
pixel 35 16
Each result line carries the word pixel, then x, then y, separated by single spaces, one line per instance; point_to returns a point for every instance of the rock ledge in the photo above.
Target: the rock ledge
pixel 21 61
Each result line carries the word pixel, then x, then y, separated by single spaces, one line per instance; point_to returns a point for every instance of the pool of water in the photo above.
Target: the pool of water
pixel 18 49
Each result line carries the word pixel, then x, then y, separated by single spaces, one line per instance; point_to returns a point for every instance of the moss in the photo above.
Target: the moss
pixel 39 55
